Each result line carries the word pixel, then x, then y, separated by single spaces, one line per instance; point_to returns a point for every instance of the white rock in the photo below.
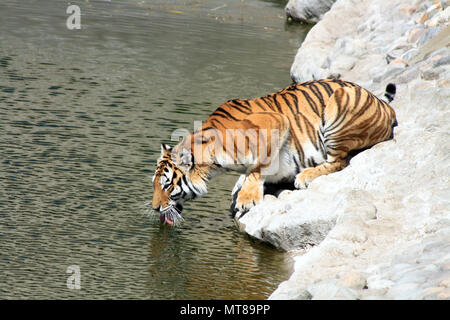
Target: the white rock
pixel 294 226
pixel 329 289
pixel 284 194
pixel 353 280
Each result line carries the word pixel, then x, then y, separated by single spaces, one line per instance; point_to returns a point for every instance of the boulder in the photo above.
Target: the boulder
pixel 307 11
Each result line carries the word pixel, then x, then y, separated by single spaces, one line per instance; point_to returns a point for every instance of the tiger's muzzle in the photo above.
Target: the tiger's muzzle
pixel 171 214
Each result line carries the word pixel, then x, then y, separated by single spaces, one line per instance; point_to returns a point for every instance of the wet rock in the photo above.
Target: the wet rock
pixel 308 11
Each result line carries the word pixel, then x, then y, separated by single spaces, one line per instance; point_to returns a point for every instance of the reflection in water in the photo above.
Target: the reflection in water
pixel 83 114
pixel 223 268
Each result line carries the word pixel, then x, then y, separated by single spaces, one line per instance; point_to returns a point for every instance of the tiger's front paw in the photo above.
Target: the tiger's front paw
pixel 247 199
pixel 303 179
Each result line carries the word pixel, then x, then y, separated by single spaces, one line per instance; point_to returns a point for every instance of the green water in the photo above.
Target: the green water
pixel 82 116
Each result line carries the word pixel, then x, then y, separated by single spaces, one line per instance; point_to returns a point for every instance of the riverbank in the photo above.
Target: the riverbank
pixel 380 228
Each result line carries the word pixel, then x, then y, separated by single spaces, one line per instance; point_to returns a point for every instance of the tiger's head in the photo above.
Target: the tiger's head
pixel 176 180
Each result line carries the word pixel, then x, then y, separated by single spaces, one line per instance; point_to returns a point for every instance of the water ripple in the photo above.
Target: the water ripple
pixel 82 116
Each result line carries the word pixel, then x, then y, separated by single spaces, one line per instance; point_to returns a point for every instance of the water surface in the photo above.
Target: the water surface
pixel 82 116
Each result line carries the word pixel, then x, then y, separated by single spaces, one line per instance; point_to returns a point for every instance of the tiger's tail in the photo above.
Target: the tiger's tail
pixel 389 94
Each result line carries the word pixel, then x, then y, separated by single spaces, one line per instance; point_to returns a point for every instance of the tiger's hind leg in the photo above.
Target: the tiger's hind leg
pixel 353 119
pixel 304 178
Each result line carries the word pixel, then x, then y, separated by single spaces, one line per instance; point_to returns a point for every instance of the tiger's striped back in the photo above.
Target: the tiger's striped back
pixel 304 105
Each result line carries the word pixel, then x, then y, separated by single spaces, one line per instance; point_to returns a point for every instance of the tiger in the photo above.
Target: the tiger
pixel 315 125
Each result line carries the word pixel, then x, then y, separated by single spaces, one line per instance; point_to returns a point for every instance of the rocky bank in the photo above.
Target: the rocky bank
pixel 380 228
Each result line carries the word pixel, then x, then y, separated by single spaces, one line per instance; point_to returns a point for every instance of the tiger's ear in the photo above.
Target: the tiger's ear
pixel 186 159
pixel 165 149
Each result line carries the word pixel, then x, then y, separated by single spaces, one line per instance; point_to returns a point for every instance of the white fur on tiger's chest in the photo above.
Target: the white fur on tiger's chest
pixel 288 164
pixel 313 156
pixel 282 166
